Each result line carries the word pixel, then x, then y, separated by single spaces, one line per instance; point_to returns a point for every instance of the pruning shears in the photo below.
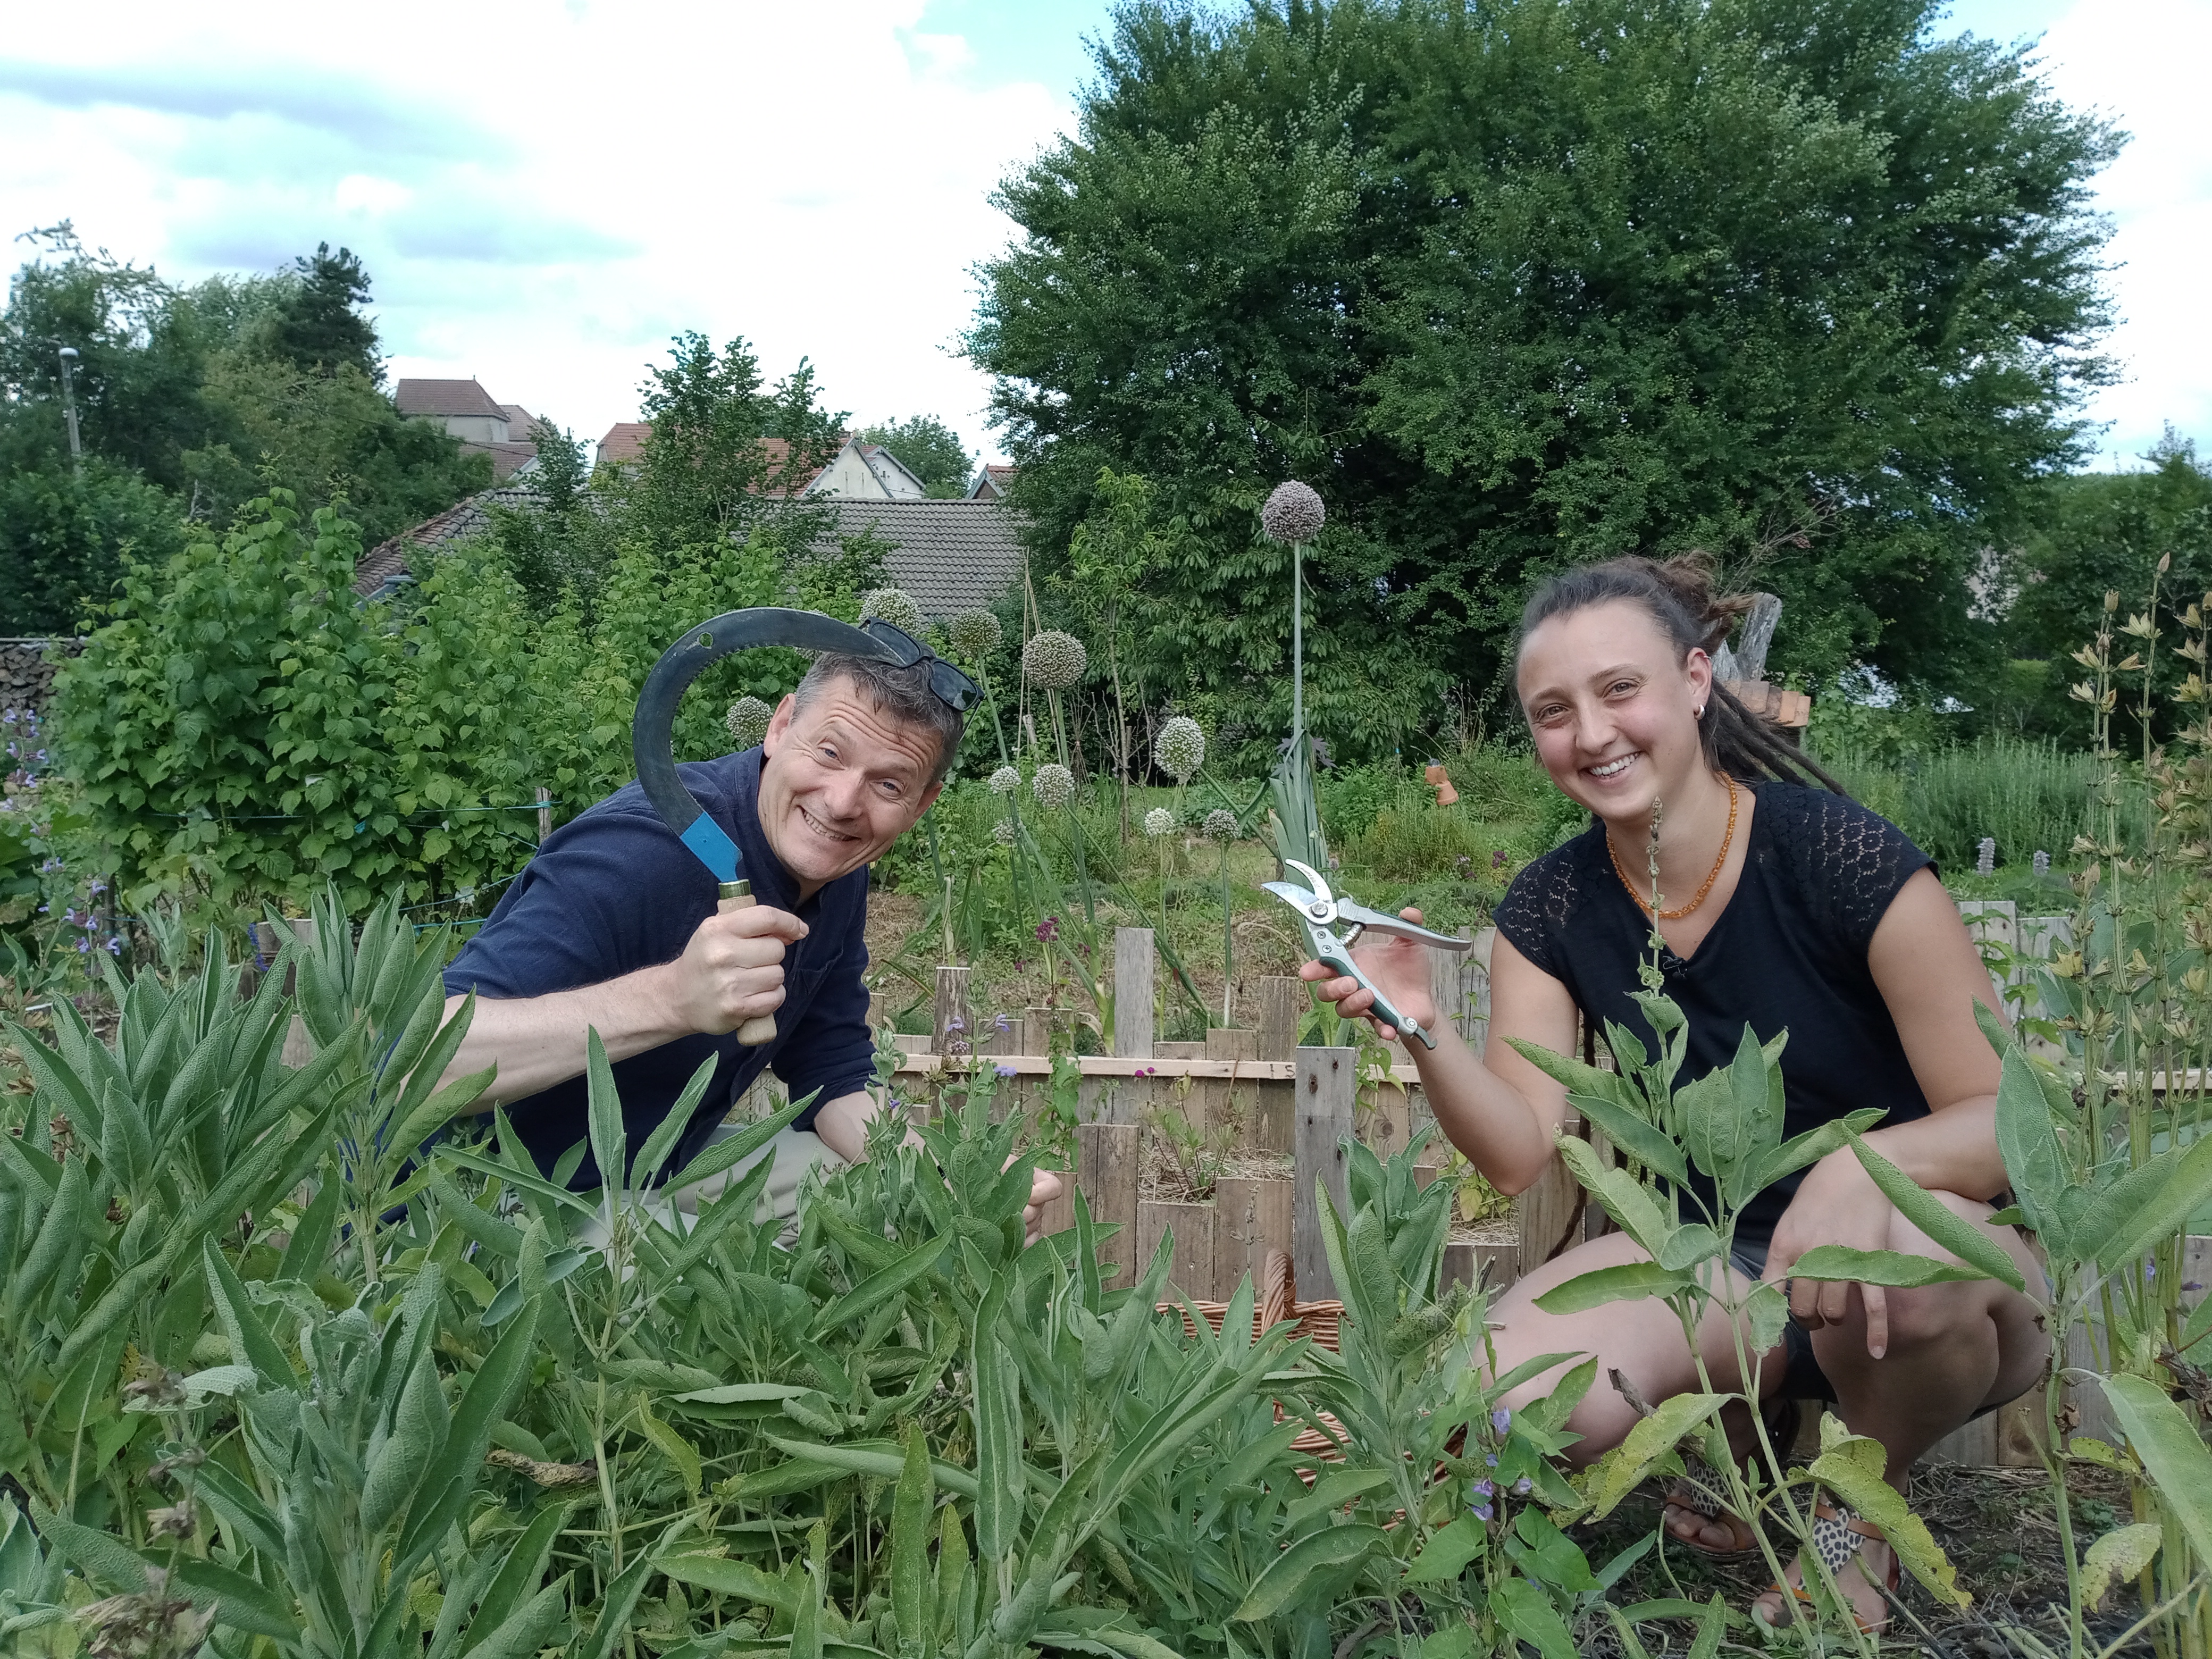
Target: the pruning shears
pixel 1320 910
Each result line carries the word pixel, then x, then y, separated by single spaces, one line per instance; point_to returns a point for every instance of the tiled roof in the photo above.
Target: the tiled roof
pixel 949 556
pixel 625 441
pixel 520 423
pixel 445 398
pixel 389 559
pixel 507 458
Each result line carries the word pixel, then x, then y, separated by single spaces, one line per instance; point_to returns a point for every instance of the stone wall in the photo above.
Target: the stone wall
pixel 27 670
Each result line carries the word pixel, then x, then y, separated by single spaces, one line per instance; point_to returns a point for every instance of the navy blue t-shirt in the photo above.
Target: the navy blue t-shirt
pixel 614 892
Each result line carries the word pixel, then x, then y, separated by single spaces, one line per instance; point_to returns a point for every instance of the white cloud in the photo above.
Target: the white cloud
pixel 2140 62
pixel 543 192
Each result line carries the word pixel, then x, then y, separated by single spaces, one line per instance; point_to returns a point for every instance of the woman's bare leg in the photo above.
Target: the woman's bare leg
pixel 1952 1350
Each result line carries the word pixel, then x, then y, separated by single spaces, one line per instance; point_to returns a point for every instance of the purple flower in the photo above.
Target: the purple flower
pixel 2191 1285
pixel 954 1023
pixel 98 886
pixel 1483 1489
pixel 1481 1511
pixel 1003 1070
pixel 115 945
pixel 2150 1270
pixel 82 945
pixel 1523 1487
pixel 1003 1024
pixel 1498 859
pixel 1048 930
pixel 1501 1420
pixel 1490 1458
pixel 50 866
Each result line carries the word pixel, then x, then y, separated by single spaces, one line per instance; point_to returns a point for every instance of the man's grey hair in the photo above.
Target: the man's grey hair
pixel 904 693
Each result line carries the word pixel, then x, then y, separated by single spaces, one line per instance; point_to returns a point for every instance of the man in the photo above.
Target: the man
pixel 613 927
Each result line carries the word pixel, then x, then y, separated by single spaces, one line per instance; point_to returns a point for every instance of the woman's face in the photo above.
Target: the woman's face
pixel 1613 708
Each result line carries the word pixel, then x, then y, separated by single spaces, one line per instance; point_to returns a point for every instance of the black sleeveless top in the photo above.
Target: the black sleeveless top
pixel 1789 951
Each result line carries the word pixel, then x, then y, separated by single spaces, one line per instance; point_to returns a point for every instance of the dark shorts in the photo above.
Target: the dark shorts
pixel 1802 1375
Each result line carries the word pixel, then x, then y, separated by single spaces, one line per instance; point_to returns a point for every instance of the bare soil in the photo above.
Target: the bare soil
pixel 1999 1528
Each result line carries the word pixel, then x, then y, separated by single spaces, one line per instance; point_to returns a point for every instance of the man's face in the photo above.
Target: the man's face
pixel 840 782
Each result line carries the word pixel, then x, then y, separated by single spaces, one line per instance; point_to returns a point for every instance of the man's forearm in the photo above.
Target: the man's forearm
pixel 537 1042
pixel 842 1123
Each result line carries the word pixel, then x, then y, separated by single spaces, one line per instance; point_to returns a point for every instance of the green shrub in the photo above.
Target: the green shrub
pixel 2030 797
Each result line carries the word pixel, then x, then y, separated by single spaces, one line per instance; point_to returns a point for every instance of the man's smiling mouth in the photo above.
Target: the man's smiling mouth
pixel 822 829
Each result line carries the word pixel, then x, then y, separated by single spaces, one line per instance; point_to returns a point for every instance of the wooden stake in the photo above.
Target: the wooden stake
pixel 1282 1000
pixel 1106 1169
pixel 545 814
pixel 954 1026
pixel 1191 1226
pixel 1132 992
pixel 1326 1087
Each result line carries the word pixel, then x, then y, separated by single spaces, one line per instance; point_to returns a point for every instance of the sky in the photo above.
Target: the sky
pixel 546 191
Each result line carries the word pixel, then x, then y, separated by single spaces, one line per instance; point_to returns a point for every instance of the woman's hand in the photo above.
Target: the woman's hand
pixel 1837 1203
pixel 1399 966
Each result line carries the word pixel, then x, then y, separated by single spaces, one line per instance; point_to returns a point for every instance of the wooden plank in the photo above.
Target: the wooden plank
pixel 299 1046
pixel 2020 1431
pixel 1460 1267
pixel 1134 958
pixel 911 1043
pixel 1274 1113
pixel 950 1019
pixel 1497 1264
pixel 1252 1216
pixel 1544 1217
pixel 1178 1051
pixel 1106 1169
pixel 1971 1445
pixel 1232 1042
pixel 1171 1065
pixel 1389 1120
pixel 1190 1227
pixel 1059 1215
pixel 1448 984
pixel 1283 999
pixel 1326 1088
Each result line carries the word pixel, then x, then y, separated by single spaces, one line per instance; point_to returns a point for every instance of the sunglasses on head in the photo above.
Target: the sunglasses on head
pixel 953 689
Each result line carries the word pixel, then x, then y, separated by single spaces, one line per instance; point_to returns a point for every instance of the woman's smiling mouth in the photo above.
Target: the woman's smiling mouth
pixel 1613 769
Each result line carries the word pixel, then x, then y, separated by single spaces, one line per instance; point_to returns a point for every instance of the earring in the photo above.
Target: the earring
pixel 1700 714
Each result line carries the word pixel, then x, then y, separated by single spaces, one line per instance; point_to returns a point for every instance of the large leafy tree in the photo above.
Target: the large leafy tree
pixel 929 449
pixel 191 401
pixel 1542 281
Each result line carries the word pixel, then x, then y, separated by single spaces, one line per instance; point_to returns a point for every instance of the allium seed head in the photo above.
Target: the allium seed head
pixel 895 607
pixel 1293 513
pixel 748 720
pixel 1005 780
pixel 1053 786
pixel 975 634
pixel 1054 660
pixel 1180 749
pixel 1158 821
pixel 1003 832
pixel 1220 824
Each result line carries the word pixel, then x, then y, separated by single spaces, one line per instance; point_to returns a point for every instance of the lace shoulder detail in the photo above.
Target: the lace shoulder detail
pixel 1541 905
pixel 1848 862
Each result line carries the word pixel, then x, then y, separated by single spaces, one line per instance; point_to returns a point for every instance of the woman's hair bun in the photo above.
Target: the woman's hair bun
pixel 1690 578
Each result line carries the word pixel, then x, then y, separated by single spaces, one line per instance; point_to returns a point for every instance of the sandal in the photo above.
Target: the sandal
pixel 1839 1535
pixel 1782 1418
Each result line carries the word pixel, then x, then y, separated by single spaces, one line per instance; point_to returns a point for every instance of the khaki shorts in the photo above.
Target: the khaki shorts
pixel 797 1153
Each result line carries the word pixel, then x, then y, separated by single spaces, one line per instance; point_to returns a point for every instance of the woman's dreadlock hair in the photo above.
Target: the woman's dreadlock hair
pixel 1677 594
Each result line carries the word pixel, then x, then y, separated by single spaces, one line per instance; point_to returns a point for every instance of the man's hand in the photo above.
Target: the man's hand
pixel 733 969
pixel 1044 1186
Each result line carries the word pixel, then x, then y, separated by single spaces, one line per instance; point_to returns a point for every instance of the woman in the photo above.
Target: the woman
pixel 1798 909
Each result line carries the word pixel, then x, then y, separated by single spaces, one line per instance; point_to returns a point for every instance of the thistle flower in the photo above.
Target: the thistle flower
pixel 895 607
pixel 1053 786
pixel 1293 513
pixel 1005 780
pixel 1003 832
pixel 1180 749
pixel 976 633
pixel 1220 826
pixel 1158 821
pixel 748 721
pixel 1054 660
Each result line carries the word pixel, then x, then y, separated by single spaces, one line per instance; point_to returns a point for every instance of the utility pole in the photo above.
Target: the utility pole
pixel 69 410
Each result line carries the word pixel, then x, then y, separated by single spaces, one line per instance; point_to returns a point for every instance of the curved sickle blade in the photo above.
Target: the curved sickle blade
pixel 653 731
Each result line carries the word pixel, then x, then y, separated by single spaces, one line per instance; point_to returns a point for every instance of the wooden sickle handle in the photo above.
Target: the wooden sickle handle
pixel 761 1028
